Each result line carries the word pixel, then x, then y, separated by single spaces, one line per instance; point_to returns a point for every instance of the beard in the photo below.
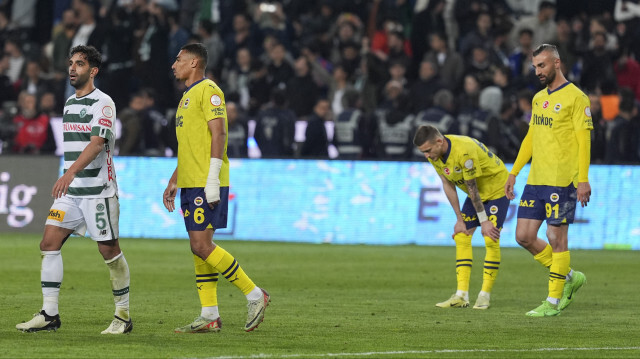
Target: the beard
pixel 79 82
pixel 548 79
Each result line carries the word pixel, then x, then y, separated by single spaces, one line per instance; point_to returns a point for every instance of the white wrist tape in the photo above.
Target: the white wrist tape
pixel 212 188
pixel 482 216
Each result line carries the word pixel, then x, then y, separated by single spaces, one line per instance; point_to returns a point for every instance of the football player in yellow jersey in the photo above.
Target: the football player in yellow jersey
pixel 467 163
pixel 202 175
pixel 558 142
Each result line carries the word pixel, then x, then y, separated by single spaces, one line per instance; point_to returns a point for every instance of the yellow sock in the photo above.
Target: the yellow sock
pixel 464 260
pixel 545 258
pixel 228 267
pixel 491 264
pixel 206 282
pixel 558 273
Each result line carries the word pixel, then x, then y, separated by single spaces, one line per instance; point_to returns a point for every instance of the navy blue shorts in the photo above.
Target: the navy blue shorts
pixel 556 205
pixel 496 212
pixel 197 214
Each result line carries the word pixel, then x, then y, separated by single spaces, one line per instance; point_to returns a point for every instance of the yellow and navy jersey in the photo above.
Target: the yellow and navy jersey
pixel 201 102
pixel 556 116
pixel 468 158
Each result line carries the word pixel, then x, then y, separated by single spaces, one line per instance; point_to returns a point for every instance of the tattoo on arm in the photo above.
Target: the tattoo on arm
pixel 474 194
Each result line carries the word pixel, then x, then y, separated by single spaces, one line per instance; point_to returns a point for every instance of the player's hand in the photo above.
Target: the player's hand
pixel 489 230
pixel 508 187
pixel 61 186
pixel 169 196
pixel 584 193
pixel 459 227
pixel 212 192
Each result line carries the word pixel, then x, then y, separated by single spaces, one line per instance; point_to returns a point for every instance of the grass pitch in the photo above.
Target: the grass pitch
pixel 327 300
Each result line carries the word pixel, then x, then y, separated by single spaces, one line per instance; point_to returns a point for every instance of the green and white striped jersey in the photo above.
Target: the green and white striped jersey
pixel 90 115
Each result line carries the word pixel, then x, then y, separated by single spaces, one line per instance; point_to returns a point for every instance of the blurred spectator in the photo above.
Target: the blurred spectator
pixel 243 36
pixel 499 51
pixel 466 14
pixel 275 127
pixel 7 90
pixel 524 105
pixel 33 82
pixel 520 59
pixel 279 71
pixel 118 67
pixel 598 134
pixel 302 91
pixel 272 21
pixel 511 131
pixel 486 122
pixel 338 87
pixel 17 61
pixel 480 66
pixel 90 31
pixel 426 22
pixel 153 68
pixel 598 64
pixel 440 115
pixel 468 99
pixel 478 37
pixel 62 43
pixel 156 133
pixel 348 31
pixel 350 132
pixel 179 36
pixel 237 132
pixel 212 41
pixel 132 117
pixel 422 90
pixel 316 141
pixel 627 71
pixel 395 123
pixel 627 14
pixel 32 127
pixel 248 79
pixel 450 66
pixel 543 23
pixel 566 47
pixel 623 132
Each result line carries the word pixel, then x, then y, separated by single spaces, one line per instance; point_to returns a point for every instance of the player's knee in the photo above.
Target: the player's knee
pixel 525 239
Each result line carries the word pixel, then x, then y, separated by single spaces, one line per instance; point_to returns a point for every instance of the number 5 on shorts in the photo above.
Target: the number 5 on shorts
pixel 101 223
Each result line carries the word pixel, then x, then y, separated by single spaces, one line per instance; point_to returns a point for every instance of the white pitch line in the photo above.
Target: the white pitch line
pixel 407 352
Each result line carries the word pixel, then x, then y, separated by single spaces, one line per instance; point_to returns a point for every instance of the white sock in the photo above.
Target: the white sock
pixel 570 274
pixel 485 294
pixel 210 312
pixel 51 279
pixel 553 301
pixel 463 294
pixel 119 275
pixel 255 294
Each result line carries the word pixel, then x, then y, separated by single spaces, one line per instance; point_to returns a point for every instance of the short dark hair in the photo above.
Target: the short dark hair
pixel 425 133
pixel 198 50
pixel 546 47
pixel 93 56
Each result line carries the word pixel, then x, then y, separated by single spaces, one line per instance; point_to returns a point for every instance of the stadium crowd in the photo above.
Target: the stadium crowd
pixel 325 78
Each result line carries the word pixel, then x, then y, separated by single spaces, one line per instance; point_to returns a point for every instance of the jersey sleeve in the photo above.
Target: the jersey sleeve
pixel 104 120
pixel 582 113
pixel 213 104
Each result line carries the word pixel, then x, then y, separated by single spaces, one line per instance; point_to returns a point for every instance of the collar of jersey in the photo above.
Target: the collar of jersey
pixel 559 88
pixel 86 94
pixel 193 84
pixel 446 154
